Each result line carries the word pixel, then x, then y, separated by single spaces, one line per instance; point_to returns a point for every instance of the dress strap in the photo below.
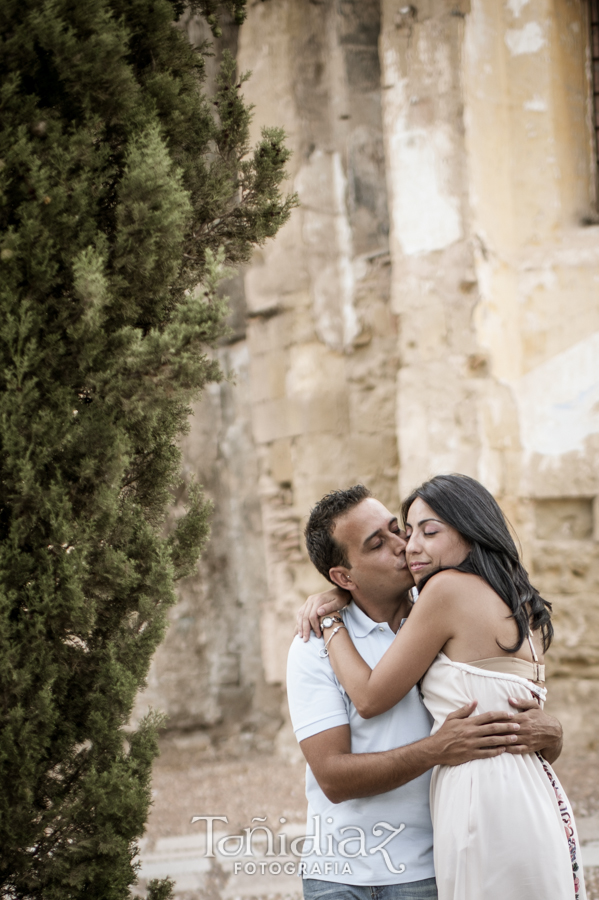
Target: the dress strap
pixel 532 648
pixel 540 676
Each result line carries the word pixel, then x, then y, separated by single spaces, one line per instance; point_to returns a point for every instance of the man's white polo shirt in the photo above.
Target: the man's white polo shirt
pixel 361 841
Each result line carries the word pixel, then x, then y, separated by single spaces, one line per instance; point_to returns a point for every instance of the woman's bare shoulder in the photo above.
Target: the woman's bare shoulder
pixel 450 584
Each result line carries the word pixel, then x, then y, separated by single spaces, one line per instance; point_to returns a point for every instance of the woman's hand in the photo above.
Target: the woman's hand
pixel 318 605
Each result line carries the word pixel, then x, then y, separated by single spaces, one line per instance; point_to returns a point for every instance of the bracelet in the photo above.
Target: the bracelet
pixel 324 651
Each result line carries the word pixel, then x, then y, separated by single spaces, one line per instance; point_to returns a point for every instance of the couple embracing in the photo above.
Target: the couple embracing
pixel 368 679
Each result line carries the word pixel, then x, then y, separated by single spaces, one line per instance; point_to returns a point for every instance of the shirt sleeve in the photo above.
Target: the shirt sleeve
pixel 316 702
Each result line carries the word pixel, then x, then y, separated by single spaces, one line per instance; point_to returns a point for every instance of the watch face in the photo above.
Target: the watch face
pixel 327 622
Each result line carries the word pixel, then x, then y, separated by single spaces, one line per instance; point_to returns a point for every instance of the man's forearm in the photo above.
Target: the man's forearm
pixel 346 776
pixel 350 776
pixel 552 753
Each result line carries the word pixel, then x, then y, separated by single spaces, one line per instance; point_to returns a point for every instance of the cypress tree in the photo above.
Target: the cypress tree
pixel 123 192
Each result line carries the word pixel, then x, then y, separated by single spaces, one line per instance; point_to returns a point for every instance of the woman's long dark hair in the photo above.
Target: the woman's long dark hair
pixel 467 506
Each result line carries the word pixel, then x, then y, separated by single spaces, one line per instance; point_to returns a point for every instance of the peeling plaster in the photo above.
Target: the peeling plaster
pixel 532 280
pixel 536 104
pixel 516 7
pixel 427 217
pixel 426 214
pixel 529 39
pixel 322 187
pixel 558 401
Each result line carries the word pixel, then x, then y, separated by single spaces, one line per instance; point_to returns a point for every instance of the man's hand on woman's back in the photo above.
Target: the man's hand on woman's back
pixel 463 737
pixel 538 730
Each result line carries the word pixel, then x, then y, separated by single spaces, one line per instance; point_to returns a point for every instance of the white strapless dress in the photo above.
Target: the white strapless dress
pixel 503 827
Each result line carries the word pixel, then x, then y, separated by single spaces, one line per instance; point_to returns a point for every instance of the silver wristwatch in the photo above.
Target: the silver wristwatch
pixel 329 621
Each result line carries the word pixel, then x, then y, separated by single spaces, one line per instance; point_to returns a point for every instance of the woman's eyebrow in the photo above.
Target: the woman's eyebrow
pixel 424 521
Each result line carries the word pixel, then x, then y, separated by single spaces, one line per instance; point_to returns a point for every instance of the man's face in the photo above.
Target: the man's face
pixel 375 549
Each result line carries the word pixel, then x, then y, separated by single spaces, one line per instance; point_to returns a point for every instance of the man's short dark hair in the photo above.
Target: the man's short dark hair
pixel 324 551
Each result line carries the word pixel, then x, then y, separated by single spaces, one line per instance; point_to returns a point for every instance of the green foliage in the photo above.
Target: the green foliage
pixel 122 188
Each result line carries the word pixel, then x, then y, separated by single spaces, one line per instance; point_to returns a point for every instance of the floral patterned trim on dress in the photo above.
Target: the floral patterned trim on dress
pixel 568 825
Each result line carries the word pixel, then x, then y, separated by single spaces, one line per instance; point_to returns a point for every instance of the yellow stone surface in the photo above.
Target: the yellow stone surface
pixel 432 306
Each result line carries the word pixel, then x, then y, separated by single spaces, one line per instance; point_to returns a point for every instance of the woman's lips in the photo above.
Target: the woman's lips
pixel 417 566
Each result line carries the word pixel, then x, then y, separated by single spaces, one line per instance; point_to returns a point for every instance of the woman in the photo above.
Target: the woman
pixel 503 827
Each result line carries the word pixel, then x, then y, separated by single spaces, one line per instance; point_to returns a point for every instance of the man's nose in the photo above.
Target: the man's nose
pixel 400 542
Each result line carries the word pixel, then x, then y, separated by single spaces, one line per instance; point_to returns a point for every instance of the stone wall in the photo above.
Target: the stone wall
pixel 431 307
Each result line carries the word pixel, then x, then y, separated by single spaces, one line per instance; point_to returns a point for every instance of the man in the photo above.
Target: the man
pixel 367 780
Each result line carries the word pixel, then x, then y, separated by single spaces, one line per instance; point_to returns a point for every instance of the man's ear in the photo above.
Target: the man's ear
pixel 341 576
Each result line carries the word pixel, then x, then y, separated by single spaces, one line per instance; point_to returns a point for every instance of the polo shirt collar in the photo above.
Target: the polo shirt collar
pixel 362 625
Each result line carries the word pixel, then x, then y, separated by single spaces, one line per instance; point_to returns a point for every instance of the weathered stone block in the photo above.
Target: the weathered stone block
pixel 314 371
pixel 575 651
pixel 274 419
pixel 321 464
pixel 575 702
pixel 373 411
pixel 564 518
pixel 565 567
pixel 374 466
pixel 276 330
pixel 268 372
pixel 227 669
pixel 283 277
pixel 280 462
pixel 316 186
pixel 440 435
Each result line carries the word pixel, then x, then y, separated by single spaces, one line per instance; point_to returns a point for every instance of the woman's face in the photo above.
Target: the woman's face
pixel 431 542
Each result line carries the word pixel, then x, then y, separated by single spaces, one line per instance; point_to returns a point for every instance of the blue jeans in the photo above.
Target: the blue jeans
pixel 330 890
